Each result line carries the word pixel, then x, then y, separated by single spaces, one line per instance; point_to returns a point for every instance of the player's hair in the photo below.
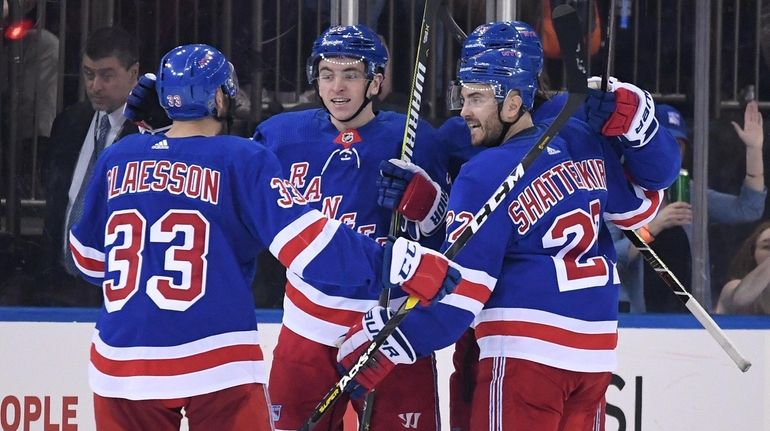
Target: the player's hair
pixel 355 41
pixel 188 79
pixel 112 42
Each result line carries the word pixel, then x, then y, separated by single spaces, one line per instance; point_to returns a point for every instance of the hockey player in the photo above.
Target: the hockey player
pixel 171 229
pixel 544 299
pixel 455 134
pixel 331 157
pixel 493 35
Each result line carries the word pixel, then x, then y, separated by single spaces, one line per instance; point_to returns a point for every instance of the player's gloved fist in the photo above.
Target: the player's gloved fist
pixel 599 107
pixel 632 117
pixel 395 350
pixel 408 189
pixel 421 272
pixel 143 107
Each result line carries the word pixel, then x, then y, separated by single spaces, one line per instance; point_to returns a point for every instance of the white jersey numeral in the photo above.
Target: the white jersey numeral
pixel 576 232
pixel 186 261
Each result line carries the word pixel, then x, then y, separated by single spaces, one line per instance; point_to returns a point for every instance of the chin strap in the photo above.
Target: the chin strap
pixel 507 126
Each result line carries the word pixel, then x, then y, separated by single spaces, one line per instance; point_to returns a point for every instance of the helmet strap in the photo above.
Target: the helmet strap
pixel 507 125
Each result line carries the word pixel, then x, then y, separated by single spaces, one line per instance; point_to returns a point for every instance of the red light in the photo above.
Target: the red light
pixel 18 30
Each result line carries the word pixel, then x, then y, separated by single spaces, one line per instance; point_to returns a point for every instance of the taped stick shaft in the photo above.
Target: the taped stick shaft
pixel 688 300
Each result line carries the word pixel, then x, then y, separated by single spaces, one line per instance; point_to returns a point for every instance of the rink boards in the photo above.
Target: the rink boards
pixel 671 374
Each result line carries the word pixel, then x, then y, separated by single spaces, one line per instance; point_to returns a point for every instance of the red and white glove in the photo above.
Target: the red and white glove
pixel 421 272
pixel 634 115
pixel 395 350
pixel 407 188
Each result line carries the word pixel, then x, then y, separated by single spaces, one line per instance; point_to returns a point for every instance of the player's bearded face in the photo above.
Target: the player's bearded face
pixel 108 82
pixel 480 114
pixel 342 85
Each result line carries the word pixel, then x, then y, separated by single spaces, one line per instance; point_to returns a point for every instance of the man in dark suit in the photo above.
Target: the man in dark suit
pixel 109 70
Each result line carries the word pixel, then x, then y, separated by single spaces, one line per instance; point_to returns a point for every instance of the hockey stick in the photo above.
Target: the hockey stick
pixel 649 255
pixel 451 25
pixel 688 300
pixel 568 31
pixel 407 148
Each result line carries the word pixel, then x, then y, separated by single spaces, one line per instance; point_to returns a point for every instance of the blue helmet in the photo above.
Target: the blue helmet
pixel 505 34
pixel 672 120
pixel 505 69
pixel 356 41
pixel 188 79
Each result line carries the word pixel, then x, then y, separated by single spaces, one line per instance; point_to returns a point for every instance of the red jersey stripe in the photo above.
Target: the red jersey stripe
pixel 564 337
pixel 654 198
pixel 299 243
pixel 476 291
pixel 345 318
pixel 175 366
pixel 85 262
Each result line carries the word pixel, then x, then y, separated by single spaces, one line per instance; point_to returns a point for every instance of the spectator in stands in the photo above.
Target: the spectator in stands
pixel 40 55
pixel 748 291
pixel 109 70
pixel 37 84
pixel 669 232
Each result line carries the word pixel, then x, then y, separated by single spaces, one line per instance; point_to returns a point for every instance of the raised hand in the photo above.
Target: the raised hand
pixel 625 110
pixel 752 132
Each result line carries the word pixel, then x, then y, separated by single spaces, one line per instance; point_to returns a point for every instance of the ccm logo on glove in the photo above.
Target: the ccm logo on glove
pixel 408 264
pixel 421 272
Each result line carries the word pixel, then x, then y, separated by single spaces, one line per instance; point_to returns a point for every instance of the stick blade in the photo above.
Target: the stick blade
pixel 568 31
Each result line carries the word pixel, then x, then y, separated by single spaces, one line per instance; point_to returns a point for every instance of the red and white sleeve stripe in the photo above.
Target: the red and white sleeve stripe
pixel 472 292
pixel 649 204
pixel 89 261
pixel 302 240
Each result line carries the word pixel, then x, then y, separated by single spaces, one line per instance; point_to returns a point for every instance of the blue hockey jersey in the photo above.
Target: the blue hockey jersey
pixel 336 173
pixel 171 230
pixel 539 277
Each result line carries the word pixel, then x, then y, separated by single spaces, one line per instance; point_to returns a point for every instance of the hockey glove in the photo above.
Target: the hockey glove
pixel 395 350
pixel 408 189
pixel 143 107
pixel 421 272
pixel 599 107
pixel 631 112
